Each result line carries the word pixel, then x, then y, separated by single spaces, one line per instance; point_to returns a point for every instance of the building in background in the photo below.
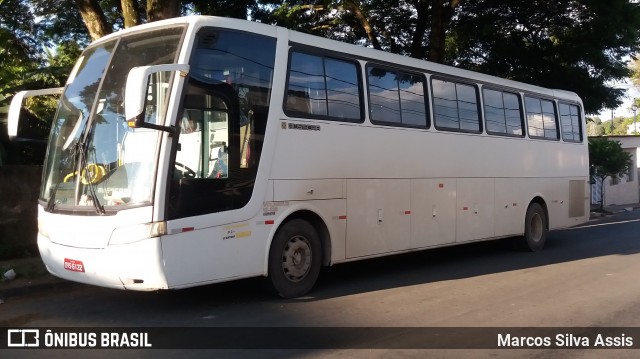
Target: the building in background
pixel 626 189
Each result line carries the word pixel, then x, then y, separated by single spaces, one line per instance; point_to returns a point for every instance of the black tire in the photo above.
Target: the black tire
pixel 536 229
pixel 295 258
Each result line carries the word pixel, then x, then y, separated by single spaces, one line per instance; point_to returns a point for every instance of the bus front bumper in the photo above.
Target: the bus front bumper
pixel 132 266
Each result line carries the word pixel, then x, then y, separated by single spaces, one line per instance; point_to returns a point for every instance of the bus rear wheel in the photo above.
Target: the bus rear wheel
pixel 536 228
pixel 295 259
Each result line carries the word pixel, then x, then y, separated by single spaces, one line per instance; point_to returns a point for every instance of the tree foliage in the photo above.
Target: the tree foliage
pixel 619 126
pixel 416 28
pixel 576 45
pixel 31 58
pixel 37 51
pixel 607 158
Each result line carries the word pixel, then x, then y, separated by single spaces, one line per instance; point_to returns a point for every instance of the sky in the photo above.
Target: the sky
pixel 624 109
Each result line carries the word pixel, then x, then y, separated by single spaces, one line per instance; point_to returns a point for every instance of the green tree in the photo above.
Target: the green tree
pixel 594 127
pixel 618 127
pixel 31 59
pixel 607 158
pixel 416 28
pixel 576 45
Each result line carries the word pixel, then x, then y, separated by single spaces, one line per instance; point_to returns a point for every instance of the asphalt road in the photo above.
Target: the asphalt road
pixel 585 277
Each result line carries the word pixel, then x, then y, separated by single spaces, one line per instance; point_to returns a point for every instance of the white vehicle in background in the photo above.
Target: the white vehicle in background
pixel 199 150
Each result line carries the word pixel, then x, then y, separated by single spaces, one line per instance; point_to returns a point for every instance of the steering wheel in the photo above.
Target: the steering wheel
pixel 186 171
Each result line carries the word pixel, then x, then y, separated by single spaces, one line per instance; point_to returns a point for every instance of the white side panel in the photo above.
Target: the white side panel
pixel 336 221
pixel 306 190
pixel 511 201
pixel 203 255
pixel 433 212
pixel 378 216
pixel 557 199
pixel 211 254
pixel 475 209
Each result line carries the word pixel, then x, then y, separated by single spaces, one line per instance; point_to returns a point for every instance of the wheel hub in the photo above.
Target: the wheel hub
pixel 296 258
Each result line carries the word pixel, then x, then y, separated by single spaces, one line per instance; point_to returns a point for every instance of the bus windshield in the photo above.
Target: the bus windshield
pixel 94 159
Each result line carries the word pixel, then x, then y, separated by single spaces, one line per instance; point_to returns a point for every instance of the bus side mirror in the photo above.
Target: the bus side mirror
pixel 20 130
pixel 147 94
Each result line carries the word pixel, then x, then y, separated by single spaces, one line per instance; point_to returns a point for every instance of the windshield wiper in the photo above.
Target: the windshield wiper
pixel 92 189
pixel 78 153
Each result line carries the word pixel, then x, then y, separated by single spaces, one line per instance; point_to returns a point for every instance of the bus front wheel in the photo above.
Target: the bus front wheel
pixel 536 228
pixel 294 259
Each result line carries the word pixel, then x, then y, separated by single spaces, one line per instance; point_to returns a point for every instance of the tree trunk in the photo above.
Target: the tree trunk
pixel 441 16
pixel 162 9
pixel 130 13
pixel 417 48
pixel 93 18
pixel 355 7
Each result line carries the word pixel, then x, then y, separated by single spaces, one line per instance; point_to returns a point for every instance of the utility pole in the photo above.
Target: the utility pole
pixel 611 122
pixel 634 108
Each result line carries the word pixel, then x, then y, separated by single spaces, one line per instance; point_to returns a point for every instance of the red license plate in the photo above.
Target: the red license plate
pixel 73 265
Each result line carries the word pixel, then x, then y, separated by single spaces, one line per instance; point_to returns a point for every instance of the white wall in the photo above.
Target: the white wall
pixel 625 191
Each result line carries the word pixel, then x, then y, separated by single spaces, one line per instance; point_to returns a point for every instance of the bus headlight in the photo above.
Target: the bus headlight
pixel 138 232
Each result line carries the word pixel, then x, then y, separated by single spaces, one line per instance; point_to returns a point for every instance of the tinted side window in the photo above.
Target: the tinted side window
pixel 322 87
pixel 396 97
pixel 307 92
pixel 384 100
pixel 412 100
pixel 502 111
pixel 541 118
pixel 570 122
pixel 343 94
pixel 455 106
pixel 223 122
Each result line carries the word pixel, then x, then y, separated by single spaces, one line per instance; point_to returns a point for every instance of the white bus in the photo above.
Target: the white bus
pixel 200 149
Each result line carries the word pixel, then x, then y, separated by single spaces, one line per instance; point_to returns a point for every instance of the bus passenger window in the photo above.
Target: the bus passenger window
pixel 343 95
pixel 455 106
pixel 502 112
pixel 306 93
pixel 323 87
pixel 541 118
pixel 570 122
pixel 396 98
